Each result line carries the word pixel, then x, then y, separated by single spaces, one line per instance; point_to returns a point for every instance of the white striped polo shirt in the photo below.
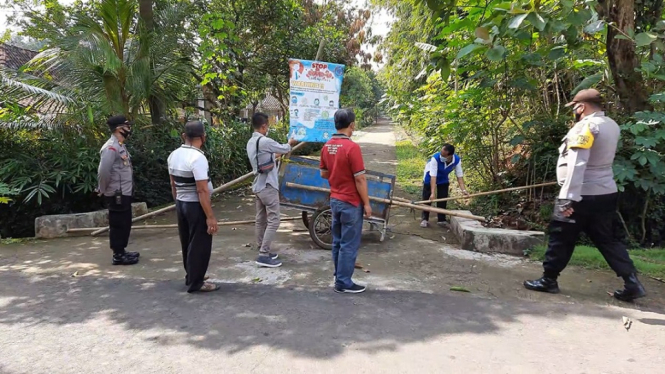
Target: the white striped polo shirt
pixel 187 165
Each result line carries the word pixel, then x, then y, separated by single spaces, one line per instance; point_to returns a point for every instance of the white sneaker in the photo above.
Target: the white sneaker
pixel 424 224
pixel 444 224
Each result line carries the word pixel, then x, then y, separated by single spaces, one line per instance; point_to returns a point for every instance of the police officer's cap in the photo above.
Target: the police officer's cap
pixel 116 121
pixel 590 96
pixel 194 129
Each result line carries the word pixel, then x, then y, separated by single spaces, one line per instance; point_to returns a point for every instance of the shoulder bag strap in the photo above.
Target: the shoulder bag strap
pixel 257 153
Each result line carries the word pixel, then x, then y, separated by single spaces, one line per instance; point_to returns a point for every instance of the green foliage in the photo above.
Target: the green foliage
pixel 54 170
pixel 96 56
pixel 49 169
pixel 245 45
pixel 361 91
pixel 5 192
pixel 492 78
pixel 107 57
pixel 40 162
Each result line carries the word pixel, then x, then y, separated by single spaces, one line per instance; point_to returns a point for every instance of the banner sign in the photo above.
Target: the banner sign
pixel 314 99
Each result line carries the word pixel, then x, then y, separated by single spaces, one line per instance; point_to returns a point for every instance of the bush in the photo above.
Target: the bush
pixel 54 170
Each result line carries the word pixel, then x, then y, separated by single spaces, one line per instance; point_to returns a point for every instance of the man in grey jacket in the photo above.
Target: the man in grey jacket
pixel 262 151
pixel 588 198
pixel 116 184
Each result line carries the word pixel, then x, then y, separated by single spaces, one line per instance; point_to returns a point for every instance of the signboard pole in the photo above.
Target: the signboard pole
pixel 319 53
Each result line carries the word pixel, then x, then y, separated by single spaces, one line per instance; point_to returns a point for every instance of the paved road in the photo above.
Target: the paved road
pixel 63 309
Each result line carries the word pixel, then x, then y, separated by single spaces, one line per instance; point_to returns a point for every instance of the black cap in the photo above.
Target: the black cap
pixel 590 95
pixel 116 121
pixel 194 129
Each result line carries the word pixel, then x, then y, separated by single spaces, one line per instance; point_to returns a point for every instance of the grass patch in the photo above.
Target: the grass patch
pixel 10 241
pixel 410 166
pixel 647 261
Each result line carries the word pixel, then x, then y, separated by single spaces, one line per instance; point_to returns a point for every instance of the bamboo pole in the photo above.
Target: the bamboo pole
pixel 319 52
pixel 169 208
pixel 395 198
pixel 395 202
pixel 171 226
pixel 486 193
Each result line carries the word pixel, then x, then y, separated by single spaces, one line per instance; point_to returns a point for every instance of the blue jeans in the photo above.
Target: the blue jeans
pixel 347 227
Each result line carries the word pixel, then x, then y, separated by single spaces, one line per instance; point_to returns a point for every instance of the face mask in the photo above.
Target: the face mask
pixel 126 133
pixel 578 116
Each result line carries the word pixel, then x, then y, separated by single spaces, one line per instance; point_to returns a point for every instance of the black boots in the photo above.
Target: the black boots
pixel 125 259
pixel 632 289
pixel 544 284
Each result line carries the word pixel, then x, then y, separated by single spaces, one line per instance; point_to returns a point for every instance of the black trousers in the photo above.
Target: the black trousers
pixel 120 223
pixel 441 193
pixel 195 241
pixel 593 215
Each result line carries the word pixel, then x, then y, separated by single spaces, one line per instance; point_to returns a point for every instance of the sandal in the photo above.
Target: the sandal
pixel 208 287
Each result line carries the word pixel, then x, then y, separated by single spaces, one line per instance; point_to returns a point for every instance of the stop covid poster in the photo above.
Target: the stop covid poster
pixel 315 87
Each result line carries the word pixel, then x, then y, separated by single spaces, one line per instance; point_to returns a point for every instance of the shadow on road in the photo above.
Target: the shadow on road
pixel 309 322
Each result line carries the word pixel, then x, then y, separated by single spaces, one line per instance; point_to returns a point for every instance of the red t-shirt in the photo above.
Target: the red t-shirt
pixel 342 158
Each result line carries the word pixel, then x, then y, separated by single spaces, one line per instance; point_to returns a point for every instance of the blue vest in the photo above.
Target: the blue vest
pixel 442 169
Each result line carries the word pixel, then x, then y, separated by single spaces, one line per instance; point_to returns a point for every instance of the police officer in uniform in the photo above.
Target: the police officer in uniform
pixel 116 184
pixel 587 201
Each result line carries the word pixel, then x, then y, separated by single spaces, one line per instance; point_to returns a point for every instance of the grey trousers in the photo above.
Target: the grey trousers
pixel 267 218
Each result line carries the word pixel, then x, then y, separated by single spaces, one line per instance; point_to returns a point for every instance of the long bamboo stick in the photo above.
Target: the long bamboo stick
pixel 395 202
pixel 169 208
pixel 171 226
pixel 486 193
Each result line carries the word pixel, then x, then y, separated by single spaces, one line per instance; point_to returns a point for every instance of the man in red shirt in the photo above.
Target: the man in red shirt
pixel 342 165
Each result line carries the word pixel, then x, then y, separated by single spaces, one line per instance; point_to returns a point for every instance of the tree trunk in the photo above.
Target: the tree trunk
pixel 209 101
pixel 621 54
pixel 147 18
pixel 146 14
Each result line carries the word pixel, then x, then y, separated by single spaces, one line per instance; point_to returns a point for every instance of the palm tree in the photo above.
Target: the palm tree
pixel 109 61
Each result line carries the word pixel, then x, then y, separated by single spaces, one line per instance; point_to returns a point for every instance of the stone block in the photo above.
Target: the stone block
pixel 56 225
pixel 473 236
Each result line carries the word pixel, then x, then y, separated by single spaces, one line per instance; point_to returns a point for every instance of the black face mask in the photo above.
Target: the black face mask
pixel 126 133
pixel 578 116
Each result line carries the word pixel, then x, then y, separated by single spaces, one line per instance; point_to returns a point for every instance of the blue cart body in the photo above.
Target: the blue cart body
pixel 305 171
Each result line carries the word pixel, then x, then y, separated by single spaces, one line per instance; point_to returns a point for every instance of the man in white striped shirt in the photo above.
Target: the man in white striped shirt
pixel 191 188
pixel 436 183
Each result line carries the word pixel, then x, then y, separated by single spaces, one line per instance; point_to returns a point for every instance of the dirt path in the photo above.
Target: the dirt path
pixel 64 309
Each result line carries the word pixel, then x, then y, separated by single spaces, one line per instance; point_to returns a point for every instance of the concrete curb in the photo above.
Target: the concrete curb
pixel 473 236
pixel 56 226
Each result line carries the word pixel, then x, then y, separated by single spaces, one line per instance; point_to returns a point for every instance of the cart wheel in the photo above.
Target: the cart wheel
pixel 320 228
pixel 305 219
